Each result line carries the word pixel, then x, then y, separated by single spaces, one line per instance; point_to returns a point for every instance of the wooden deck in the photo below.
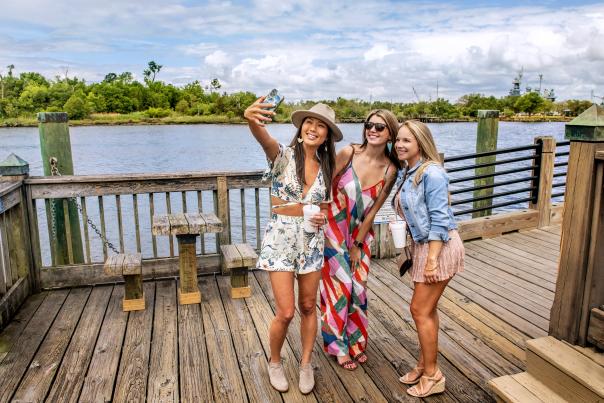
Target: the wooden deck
pixel 77 344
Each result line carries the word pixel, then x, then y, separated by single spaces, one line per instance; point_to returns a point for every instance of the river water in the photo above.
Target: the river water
pixel 173 148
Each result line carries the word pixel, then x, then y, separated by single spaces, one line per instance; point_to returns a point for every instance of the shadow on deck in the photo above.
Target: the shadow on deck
pixel 77 344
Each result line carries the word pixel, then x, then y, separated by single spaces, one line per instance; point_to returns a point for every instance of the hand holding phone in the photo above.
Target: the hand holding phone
pixel 274 98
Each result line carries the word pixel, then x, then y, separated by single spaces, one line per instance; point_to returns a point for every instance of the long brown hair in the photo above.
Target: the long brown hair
pixel 392 125
pixel 326 155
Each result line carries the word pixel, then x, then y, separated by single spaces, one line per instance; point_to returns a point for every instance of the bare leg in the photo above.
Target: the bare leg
pixel 282 284
pixel 308 284
pixel 425 314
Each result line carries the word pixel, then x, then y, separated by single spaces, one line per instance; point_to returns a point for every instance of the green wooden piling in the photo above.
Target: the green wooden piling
pixel 486 140
pixel 55 143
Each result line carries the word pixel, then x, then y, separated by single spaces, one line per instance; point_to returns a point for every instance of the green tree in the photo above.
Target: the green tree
pixel 152 71
pixel 77 106
pixel 577 106
pixel 529 103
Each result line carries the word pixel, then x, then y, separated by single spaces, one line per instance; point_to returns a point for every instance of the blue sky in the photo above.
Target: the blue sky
pixel 313 49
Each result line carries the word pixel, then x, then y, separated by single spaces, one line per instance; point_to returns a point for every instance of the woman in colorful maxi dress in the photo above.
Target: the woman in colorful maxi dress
pixel 349 233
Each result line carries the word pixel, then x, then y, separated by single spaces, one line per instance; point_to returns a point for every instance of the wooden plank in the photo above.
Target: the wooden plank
pixel 459 300
pixel 195 379
pixel 13 330
pixel 163 368
pixel 498 224
pixel 223 209
pixel 137 231
pixel 78 275
pixel 248 255
pixel 161 224
pixel 169 211
pixel 132 264
pixel 545 179
pixel 231 257
pixel 32 213
pixel 479 325
pixel 358 384
pixel 535 240
pixel 537 254
pixel 525 314
pixel 120 227
pixel 100 377
pixel 262 314
pixel 131 383
pixel 113 265
pixel 537 388
pixel 530 300
pixel 228 382
pixel 103 230
pixel 243 219
pixel 85 226
pixel 516 276
pixel 509 390
pixel 197 224
pixel 10 198
pixel 17 360
pixel 595 330
pixel 457 345
pixel 178 224
pixel 70 375
pixel 250 354
pixel 151 215
pixel 213 223
pixel 519 259
pixel 12 300
pixel 114 184
pixel 38 379
pixel 518 322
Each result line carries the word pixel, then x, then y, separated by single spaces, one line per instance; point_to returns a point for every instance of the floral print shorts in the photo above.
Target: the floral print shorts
pixel 287 247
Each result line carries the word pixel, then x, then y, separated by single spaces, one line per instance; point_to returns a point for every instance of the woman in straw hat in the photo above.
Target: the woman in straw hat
pixel 367 174
pixel 300 175
pixel 422 199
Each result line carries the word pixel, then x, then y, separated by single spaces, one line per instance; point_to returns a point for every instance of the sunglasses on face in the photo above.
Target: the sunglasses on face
pixel 379 127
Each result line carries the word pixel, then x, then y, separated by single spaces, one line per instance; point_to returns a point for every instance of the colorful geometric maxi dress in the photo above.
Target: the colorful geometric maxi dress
pixel 344 293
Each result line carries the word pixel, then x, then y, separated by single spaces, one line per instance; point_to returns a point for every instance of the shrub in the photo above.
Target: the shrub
pixel 157 112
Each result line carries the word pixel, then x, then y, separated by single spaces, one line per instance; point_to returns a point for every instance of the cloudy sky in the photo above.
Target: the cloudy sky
pixel 312 49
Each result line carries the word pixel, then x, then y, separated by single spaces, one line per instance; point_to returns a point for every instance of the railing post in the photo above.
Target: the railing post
pixel 545 178
pixel 55 143
pixel 15 169
pixel 224 237
pixel 580 283
pixel 486 140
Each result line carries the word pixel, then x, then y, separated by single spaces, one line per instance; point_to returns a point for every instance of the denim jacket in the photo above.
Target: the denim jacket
pixel 426 206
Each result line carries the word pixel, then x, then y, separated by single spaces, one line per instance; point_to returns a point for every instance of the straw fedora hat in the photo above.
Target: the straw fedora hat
pixel 322 112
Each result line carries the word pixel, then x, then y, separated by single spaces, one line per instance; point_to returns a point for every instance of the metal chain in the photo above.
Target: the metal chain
pixel 54 170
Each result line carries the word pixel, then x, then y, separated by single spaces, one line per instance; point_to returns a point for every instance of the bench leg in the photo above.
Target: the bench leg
pixel 240 287
pixel 134 298
pixel 187 262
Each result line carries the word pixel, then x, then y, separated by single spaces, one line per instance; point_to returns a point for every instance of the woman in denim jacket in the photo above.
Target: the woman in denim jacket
pixel 422 199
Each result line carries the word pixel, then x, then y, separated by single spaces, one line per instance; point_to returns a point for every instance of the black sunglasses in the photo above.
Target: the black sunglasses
pixel 379 127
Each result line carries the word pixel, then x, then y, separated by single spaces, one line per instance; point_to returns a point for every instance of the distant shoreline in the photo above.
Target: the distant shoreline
pixel 126 120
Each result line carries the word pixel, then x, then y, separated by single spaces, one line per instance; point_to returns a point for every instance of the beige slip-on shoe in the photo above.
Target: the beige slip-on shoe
pixel 277 376
pixel 307 378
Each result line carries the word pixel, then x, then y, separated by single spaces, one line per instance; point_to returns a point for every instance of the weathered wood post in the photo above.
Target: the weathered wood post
pixel 55 143
pixel 486 140
pixel 15 170
pixel 580 283
pixel 222 211
pixel 545 178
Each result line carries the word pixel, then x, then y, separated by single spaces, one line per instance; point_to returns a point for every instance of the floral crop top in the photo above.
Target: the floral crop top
pixel 284 181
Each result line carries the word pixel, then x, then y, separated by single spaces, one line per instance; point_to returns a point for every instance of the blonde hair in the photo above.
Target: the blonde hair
pixel 427 147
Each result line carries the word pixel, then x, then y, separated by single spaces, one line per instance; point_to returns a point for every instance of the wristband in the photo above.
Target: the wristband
pixel 358 244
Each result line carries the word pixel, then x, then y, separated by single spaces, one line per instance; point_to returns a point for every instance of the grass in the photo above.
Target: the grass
pixel 140 118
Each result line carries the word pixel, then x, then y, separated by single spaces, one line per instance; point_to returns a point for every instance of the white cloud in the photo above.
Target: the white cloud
pixel 315 49
pixel 377 52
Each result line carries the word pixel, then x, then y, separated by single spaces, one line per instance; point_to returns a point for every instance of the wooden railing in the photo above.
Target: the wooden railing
pixel 17 277
pixel 119 209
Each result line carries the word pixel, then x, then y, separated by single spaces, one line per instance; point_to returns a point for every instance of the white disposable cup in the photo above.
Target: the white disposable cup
pixel 399 233
pixel 310 210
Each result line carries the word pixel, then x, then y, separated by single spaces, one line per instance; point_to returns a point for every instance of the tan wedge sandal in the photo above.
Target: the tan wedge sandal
pixel 412 377
pixel 428 385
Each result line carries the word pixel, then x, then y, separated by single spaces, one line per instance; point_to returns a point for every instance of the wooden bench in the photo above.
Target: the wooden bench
pixel 237 259
pixel 128 265
pixel 186 227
